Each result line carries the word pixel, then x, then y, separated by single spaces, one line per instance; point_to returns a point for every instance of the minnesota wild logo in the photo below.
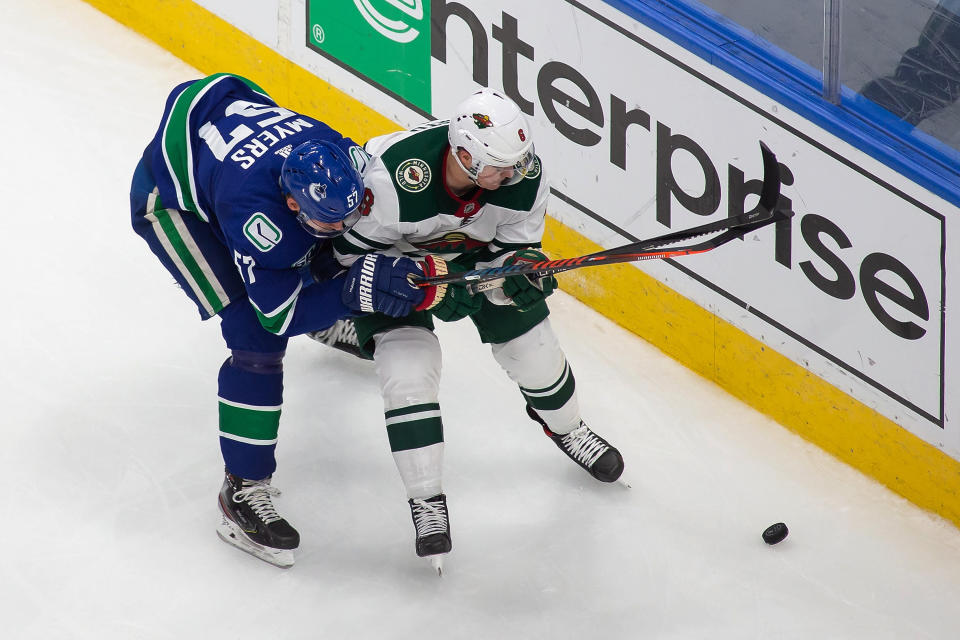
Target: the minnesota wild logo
pixel 534 170
pixel 413 175
pixel 452 242
pixel 482 121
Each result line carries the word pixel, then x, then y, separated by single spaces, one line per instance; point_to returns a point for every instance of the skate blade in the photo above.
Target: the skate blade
pixel 437 563
pixel 233 535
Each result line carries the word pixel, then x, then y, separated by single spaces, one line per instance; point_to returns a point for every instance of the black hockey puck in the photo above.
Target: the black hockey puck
pixel 775 533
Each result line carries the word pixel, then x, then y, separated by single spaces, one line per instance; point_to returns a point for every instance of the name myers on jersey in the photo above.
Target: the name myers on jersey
pixel 265 140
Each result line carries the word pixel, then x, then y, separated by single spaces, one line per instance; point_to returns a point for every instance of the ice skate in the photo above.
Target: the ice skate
pixel 587 449
pixel 250 522
pixel 341 335
pixel 432 523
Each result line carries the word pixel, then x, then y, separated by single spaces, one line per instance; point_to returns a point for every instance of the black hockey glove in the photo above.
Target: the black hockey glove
pixel 323 266
pixel 376 282
pixel 448 302
pixel 527 290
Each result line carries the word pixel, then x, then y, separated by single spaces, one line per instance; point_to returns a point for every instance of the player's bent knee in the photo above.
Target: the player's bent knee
pixel 408 362
pixel 534 359
pixel 252 379
pixel 255 362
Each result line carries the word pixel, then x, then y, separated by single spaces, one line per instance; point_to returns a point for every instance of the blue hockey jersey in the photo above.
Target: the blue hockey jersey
pixel 218 154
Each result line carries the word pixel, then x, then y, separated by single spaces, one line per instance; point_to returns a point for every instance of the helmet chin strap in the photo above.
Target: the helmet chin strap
pixel 470 174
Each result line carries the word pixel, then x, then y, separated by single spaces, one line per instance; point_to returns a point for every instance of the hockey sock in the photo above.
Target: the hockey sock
pixel 250 395
pixel 535 361
pixel 556 403
pixel 408 365
pixel 416 440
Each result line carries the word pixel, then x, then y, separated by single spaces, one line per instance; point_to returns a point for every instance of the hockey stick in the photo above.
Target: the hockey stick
pixel 732 228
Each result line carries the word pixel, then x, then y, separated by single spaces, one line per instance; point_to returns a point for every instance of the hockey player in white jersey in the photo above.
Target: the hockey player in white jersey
pixel 464 193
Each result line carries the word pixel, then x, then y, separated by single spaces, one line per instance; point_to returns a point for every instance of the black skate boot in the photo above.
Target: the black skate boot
pixel 587 449
pixel 432 522
pixel 250 521
pixel 343 336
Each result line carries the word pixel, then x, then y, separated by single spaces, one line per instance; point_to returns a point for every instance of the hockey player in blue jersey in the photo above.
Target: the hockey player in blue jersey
pixel 238 198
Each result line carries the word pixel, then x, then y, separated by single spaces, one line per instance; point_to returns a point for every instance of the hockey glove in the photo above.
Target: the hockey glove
pixel 527 290
pixel 321 266
pixel 449 302
pixel 381 283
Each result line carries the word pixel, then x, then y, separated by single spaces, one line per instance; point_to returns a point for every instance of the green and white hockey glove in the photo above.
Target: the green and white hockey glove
pixel 448 302
pixel 525 291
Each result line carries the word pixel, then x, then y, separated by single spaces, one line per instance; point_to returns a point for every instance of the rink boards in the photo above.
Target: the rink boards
pixel 833 324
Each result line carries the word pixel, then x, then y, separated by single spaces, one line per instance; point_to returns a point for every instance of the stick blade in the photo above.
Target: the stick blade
pixel 770 194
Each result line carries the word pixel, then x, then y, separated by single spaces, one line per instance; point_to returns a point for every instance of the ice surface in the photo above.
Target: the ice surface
pixel 111 464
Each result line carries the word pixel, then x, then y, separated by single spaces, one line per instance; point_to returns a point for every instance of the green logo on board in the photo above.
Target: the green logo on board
pixel 385 41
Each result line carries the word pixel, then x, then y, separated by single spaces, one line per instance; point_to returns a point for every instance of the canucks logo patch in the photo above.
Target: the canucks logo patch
pixel 262 233
pixel 413 175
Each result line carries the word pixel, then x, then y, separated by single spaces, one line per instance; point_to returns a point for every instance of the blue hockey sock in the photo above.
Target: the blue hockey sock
pixel 250 395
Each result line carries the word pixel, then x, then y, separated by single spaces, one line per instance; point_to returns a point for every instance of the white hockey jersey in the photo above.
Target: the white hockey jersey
pixel 408 209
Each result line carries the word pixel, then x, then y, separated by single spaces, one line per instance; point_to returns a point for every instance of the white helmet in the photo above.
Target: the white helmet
pixel 491 127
